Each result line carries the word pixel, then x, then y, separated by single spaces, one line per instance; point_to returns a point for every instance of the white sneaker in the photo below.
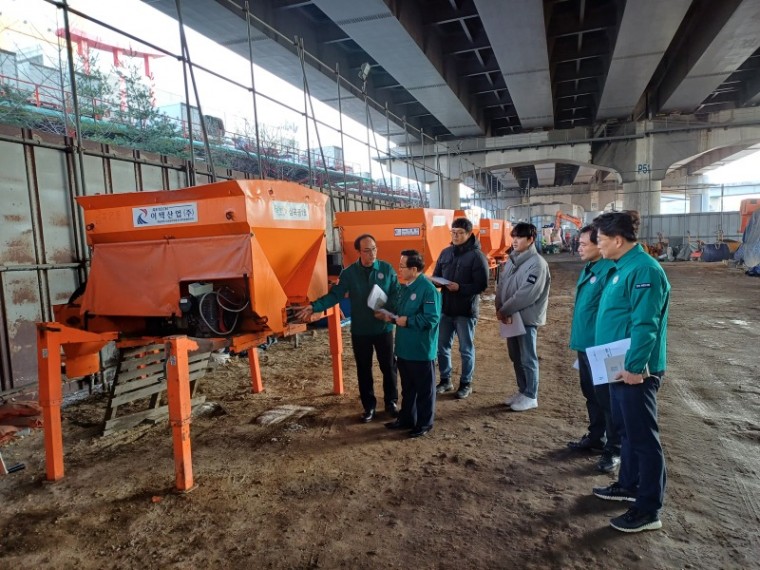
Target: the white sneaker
pixel 512 399
pixel 524 403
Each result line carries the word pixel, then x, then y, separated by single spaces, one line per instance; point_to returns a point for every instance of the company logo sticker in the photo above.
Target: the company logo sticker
pixel 166 214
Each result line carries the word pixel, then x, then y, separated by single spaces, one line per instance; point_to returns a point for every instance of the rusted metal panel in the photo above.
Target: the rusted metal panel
pixel 55 207
pixel 16 239
pixel 21 291
pixel 152 178
pixel 94 175
pixel 122 176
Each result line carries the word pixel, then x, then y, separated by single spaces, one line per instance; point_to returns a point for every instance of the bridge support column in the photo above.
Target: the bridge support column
pixel 445 194
pixel 643 196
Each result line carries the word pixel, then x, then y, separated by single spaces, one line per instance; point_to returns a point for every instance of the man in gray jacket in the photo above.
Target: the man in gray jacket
pixel 524 289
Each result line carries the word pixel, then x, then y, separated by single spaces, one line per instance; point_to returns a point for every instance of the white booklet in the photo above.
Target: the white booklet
pixel 607 360
pixel 515 328
pixel 377 298
pixel 440 281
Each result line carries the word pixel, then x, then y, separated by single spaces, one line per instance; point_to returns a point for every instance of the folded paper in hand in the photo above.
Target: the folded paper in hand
pixel 377 298
pixel 515 328
pixel 607 360
pixel 440 281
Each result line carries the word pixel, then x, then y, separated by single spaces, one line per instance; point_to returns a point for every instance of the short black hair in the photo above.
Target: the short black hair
pixel 624 224
pixel 414 259
pixel 589 229
pixel 524 229
pixel 358 241
pixel 462 224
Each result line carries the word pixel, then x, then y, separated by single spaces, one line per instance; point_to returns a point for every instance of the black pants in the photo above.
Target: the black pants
pixel 417 393
pixel 382 344
pixel 601 426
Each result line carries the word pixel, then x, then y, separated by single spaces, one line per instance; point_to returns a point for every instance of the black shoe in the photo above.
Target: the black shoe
pixel 464 391
pixel 368 416
pixel 615 492
pixel 397 424
pixel 586 444
pixel 419 432
pixel 444 386
pixel 635 520
pixel 392 409
pixel 607 462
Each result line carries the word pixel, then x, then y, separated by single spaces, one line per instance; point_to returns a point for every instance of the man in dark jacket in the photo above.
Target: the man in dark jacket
pixel 462 272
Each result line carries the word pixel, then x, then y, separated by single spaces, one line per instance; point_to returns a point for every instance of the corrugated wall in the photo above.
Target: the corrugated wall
pixel 43 257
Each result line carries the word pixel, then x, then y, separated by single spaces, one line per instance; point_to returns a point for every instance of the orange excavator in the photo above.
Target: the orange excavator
pixel 577 222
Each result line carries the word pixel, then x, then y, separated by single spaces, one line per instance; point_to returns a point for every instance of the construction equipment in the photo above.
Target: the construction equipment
pixel 746 208
pixel 495 239
pixel 227 264
pixel 561 216
pixel 425 229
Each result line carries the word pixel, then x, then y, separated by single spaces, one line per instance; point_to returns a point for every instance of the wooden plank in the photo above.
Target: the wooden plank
pixel 131 420
pixel 137 384
pixel 137 394
pixel 130 352
pixel 124 377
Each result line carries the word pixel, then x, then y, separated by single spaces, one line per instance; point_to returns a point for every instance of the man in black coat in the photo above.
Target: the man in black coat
pixel 462 272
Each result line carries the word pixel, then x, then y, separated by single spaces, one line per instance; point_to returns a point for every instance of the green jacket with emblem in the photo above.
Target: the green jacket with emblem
pixel 420 302
pixel 357 281
pixel 635 304
pixel 588 291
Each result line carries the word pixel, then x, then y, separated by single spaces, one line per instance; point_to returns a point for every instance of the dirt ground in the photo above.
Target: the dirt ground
pixel 488 488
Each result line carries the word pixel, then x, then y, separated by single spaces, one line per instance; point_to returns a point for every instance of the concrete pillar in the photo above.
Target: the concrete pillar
pixel 699 201
pixel 643 196
pixel 445 194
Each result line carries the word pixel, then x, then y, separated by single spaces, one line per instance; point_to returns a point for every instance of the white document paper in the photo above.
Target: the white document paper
pixel 515 328
pixel 607 360
pixel 377 298
pixel 577 364
pixel 387 312
pixel 440 281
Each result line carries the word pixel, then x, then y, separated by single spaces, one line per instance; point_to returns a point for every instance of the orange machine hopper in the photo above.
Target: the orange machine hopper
pixel 209 260
pixel 491 238
pixel 425 229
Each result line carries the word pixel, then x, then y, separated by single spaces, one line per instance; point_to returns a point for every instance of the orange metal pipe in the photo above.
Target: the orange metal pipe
pixel 178 391
pixel 253 361
pixel 336 348
pixel 51 394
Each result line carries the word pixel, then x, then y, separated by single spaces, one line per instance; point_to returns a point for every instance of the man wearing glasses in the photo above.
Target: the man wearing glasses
pixel 368 334
pixel 465 270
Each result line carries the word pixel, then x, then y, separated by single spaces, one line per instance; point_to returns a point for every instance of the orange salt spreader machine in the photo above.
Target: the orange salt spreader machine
pixel 224 264
pixel 425 229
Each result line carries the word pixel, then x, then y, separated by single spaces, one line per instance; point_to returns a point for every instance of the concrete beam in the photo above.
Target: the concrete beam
pixel 646 31
pixel 397 40
pixel 726 50
pixel 518 28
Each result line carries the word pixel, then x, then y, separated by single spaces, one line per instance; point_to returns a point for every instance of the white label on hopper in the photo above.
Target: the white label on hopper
pixel 298 211
pixel 439 221
pixel 162 215
pixel 406 232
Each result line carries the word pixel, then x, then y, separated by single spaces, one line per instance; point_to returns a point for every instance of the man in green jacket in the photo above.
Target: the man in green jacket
pixel 419 312
pixel 602 435
pixel 634 305
pixel 367 332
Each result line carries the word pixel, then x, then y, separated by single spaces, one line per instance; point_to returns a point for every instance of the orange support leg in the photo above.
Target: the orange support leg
pixel 336 348
pixel 253 362
pixel 51 394
pixel 178 391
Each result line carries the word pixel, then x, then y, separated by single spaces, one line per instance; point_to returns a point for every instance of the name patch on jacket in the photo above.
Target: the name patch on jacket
pixel 532 279
pixel 643 285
